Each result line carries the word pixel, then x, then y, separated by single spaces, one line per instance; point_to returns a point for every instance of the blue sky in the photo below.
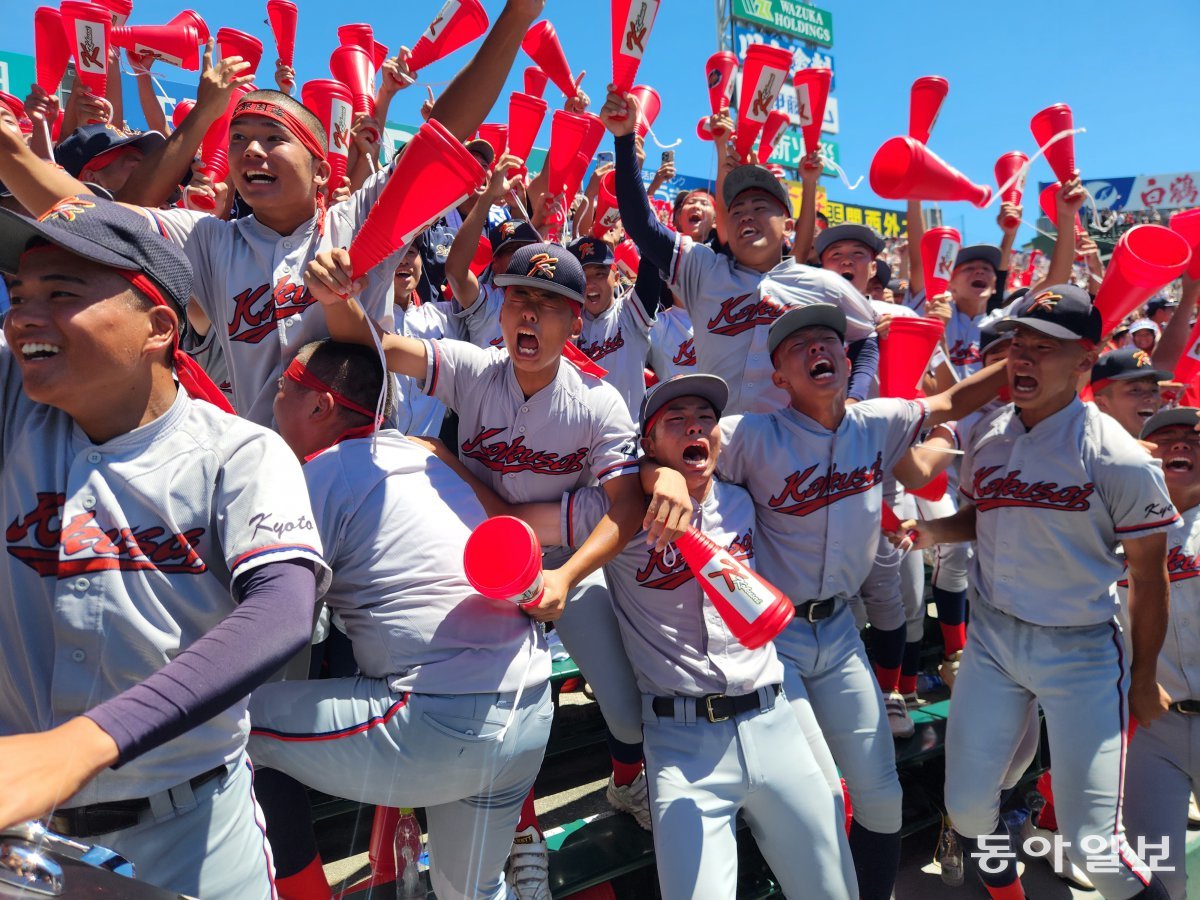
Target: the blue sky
pixel 1128 71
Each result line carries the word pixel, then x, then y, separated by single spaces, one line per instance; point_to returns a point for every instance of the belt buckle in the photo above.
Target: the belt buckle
pixel 812 608
pixel 708 709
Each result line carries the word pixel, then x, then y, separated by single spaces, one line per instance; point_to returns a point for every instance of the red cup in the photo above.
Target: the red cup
pixel 904 354
pixel 1146 258
pixel 535 81
pixel 283 16
pixel 632 21
pixel 650 103
pixel 627 257
pixel 231 42
pixel 542 45
pixel 333 104
pixel 905 169
pixel 179 113
pixel 925 101
pixel 87 28
pixel 1006 167
pixel 812 93
pixel 939 250
pixel 458 23
pixel 764 73
pixel 1187 224
pixel 503 561
pixel 525 116
pixel 52 49
pixel 1061 155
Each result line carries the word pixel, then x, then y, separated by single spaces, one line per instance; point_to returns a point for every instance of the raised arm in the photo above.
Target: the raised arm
pixel 35 183
pixel 968 395
pixel 1068 201
pixel 463 283
pixel 1175 334
pixel 156 119
pixel 806 223
pixel 916 231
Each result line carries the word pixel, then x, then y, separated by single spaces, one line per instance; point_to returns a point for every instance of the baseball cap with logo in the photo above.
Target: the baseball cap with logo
pixel 1125 365
pixel 514 231
pixel 592 251
pixel 824 314
pixel 709 387
pixel 749 178
pixel 87 142
pixel 868 237
pixel 549 267
pixel 1165 418
pixel 1061 311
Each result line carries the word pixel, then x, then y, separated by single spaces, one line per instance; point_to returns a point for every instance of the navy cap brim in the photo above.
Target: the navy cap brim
pixel 825 315
pixel 17 231
pixel 1047 328
pixel 987 253
pixel 710 387
pixel 1180 415
pixel 1135 374
pixel 541 284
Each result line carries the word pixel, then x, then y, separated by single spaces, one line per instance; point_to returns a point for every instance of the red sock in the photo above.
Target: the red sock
pixel 908 684
pixel 889 679
pixel 528 816
pixel 1046 818
pixel 954 637
pixel 625 773
pixel 1012 891
pixel 307 884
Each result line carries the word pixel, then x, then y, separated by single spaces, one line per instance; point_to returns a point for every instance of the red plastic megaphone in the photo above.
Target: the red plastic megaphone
pixel 283 16
pixel 87 27
pixel 904 354
pixel 535 81
pixel 1061 154
pixel 231 42
pixel 120 9
pixel 568 131
pixel 583 157
pixel 483 256
pixel 214 149
pixel 358 34
pixel 627 257
pixel 753 609
pixel 433 174
pixel 905 169
pixel 191 17
pixel 763 75
pixel 632 21
pixel 703 131
pixel 180 112
pixel 935 490
pixel 1188 366
pixel 649 103
pixel 459 23
pixel 812 92
pixel 502 560
pixel 379 54
pixel 1146 258
pixel 1048 202
pixel 496 135
pixel 352 66
pixel 606 215
pixel 541 43
pixel 939 250
pixel 51 47
pixel 525 115
pixel 176 43
pixel 333 104
pixel 718 73
pixel 1187 224
pixel 777 122
pixel 889 521
pixel 1006 167
pixel 925 101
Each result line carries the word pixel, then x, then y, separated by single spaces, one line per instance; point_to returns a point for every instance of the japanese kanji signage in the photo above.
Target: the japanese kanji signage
pixel 789 150
pixel 890 223
pixel 789 17
pixel 1141 192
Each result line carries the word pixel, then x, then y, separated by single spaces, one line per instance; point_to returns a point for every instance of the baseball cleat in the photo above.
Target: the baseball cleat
pixel 528 869
pixel 631 798
pixel 898 718
pixel 949 668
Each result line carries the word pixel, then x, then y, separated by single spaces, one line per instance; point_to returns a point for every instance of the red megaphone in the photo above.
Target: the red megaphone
pixel 176 43
pixel 567 134
pixel 718 73
pixel 352 66
pixel 87 27
pixel 120 9
pixel 525 116
pixel 632 21
pixel 535 81
pixel 180 112
pixel 905 169
pixel 763 75
pixel 51 47
pixel 753 609
pixel 445 35
pixel 1061 154
pixel 214 149
pixel 379 54
pixel 191 17
pixel 502 560
pixel 333 104
pixel 496 135
pixel 541 43
pixel 583 157
pixel 905 352
pixel 939 250
pixel 627 257
pixel 812 92
pixel 925 100
pixel 1187 224
pixel 283 15
pixel 483 255
pixel 1048 202
pixel 935 490
pixel 776 123
pixel 1006 167
pixel 1146 258
pixel 1188 366
pixel 359 34
pixel 606 215
pixel 649 103
pixel 231 42
pixel 433 174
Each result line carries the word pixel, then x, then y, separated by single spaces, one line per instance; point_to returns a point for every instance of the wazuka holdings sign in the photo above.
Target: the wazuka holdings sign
pixel 790 17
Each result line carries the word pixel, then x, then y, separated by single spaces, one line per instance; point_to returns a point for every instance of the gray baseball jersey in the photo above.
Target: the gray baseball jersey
pixel 676 640
pixel 732 308
pixel 122 554
pixel 672 346
pixel 482 319
pixel 816 490
pixel 417 412
pixel 1101 487
pixel 249 282
pixel 393 523
pixel 962 337
pixel 619 339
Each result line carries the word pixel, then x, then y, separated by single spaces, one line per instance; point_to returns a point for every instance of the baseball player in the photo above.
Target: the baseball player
pixel 815 470
pixel 1054 475
pixel 152 578
pixel 734 299
pixel 672 342
pixel 451 707
pixel 1125 385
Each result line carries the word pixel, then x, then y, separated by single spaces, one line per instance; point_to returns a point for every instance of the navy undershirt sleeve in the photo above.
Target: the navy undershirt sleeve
pixel 649 287
pixel 654 240
pixel 864 363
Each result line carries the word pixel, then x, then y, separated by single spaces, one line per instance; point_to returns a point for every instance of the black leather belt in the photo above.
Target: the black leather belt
pixel 816 610
pixel 101 818
pixel 1186 707
pixel 714 707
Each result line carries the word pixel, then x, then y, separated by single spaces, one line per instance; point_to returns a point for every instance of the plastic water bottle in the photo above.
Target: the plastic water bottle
pixel 409 847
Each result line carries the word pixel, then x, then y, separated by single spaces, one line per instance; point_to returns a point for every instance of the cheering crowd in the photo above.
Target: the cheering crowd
pixel 245 439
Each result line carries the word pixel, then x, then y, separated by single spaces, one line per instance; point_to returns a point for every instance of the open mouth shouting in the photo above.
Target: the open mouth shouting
pixel 979 284
pixel 695 456
pixel 1023 386
pixel 1179 461
pixel 822 371
pixel 528 343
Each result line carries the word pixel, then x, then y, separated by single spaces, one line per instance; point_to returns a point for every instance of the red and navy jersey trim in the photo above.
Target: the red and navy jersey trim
pixel 348 731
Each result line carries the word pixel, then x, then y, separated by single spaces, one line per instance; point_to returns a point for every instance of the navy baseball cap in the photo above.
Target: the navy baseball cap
pixel 710 387
pixel 102 232
pixel 983 252
pixel 1160 303
pixel 89 141
pixel 989 335
pixel 1125 365
pixel 592 251
pixel 749 178
pixel 883 272
pixel 1165 418
pixel 514 231
pixel 1061 311
pixel 869 237
pixel 549 267
pixel 793 320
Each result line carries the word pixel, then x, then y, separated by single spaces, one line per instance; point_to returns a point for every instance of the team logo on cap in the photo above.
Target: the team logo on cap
pixel 508 229
pixel 542 265
pixel 66 210
pixel 1141 359
pixel 1045 302
pixel 588 249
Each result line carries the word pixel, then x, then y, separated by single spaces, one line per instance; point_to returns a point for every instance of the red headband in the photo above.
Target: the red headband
pixel 287 119
pixel 299 373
